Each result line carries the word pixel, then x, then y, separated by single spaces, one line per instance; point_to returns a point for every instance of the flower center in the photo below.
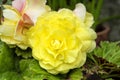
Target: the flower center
pixel 56 44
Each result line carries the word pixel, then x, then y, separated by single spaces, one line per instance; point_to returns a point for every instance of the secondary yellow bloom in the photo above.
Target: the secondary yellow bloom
pixel 18 18
pixel 60 40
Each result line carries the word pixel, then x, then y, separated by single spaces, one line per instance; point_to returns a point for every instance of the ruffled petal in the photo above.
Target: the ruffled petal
pixel 89 20
pixel 23 24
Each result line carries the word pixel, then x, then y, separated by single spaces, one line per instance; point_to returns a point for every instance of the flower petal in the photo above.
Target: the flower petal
pixel 10 13
pixel 7 28
pixel 35 8
pixel 23 23
pixel 80 11
pixel 19 4
pixel 89 20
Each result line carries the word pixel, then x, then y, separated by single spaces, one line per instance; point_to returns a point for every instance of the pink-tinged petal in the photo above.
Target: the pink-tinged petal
pixel 19 28
pixel 80 11
pixel 35 8
pixel 23 24
pixel 18 33
pixel 27 21
pixel 19 4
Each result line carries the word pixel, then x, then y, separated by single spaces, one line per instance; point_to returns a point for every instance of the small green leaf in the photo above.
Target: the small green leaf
pixel 76 74
pixel 24 53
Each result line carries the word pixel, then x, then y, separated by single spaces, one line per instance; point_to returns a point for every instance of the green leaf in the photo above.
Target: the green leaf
pixel 31 70
pixel 109 79
pixel 10 76
pixel 31 65
pixel 109 51
pixel 6 58
pixel 24 53
pixel 76 74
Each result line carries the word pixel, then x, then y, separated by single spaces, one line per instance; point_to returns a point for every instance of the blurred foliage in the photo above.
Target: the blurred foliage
pixel 10 75
pixel 57 4
pixel 6 58
pixel 5 1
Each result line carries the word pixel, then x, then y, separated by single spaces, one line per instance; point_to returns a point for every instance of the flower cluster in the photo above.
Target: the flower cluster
pixel 18 18
pixel 59 39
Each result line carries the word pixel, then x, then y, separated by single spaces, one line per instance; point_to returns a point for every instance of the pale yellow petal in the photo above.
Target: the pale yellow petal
pixel 89 20
pixel 11 13
pixel 7 30
pixel 86 34
pixel 88 45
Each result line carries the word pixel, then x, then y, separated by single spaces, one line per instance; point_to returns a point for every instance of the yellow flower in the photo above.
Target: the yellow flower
pixel 60 40
pixel 18 18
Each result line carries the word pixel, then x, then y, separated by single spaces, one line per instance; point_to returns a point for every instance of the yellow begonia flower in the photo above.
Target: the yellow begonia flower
pixel 60 40
pixel 18 18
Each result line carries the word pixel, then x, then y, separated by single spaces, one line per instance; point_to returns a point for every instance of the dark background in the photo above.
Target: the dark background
pixel 112 7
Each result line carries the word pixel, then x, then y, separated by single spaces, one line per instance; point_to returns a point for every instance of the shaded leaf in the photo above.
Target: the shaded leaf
pixel 24 53
pixel 76 74
pixel 10 76
pixel 6 58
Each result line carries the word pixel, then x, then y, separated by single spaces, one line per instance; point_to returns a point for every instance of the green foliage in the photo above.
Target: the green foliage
pixel 24 53
pixel 109 51
pixel 57 4
pixel 76 74
pixel 6 2
pixel 6 58
pixel 10 75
